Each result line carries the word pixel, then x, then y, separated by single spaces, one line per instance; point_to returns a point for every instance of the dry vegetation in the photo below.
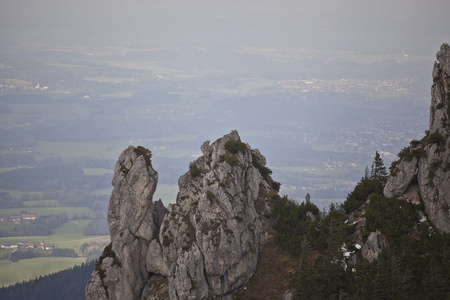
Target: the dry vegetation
pixel 272 278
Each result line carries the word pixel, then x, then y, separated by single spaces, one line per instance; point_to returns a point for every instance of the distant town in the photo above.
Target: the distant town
pixel 20 219
pixel 24 219
pixel 25 245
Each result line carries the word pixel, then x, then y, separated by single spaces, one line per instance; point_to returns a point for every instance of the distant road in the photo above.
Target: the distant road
pixel 78 223
pixel 87 239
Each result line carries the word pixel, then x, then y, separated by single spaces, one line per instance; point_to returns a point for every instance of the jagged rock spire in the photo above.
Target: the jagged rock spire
pixel 205 246
pixel 428 159
pixel 134 220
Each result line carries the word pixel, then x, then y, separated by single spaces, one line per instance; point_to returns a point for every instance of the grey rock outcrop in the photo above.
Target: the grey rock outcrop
pixel 205 246
pixel 371 247
pixel 397 185
pixel 428 159
pixel 411 194
pixel 376 242
pixel 289 294
pixel 134 221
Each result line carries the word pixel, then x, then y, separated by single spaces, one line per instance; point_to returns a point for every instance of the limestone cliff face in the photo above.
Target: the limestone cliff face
pixel 206 246
pixel 134 221
pixel 428 159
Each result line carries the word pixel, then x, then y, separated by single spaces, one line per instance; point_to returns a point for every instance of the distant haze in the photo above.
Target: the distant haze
pixel 317 86
pixel 414 26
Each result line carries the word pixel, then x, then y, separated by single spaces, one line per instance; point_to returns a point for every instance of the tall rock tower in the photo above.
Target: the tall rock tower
pixel 428 160
pixel 205 246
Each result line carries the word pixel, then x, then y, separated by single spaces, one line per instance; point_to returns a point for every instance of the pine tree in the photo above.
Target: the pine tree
pixel 378 170
pixel 436 281
pixel 305 285
pixel 381 281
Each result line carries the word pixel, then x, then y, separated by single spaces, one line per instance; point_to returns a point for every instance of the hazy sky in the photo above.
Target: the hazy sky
pixel 394 24
pixel 203 41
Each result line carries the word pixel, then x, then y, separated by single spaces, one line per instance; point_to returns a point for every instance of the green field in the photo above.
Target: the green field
pixel 27 269
pixel 56 112
pixel 68 235
pixel 104 191
pixel 4 253
pixel 109 150
pixel 40 203
pixel 40 211
pixel 18 194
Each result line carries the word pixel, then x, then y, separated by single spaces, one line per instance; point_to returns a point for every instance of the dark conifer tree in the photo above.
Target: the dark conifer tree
pixel 378 170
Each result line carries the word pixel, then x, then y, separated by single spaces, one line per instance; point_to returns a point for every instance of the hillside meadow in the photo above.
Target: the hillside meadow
pixel 27 269
pixel 68 235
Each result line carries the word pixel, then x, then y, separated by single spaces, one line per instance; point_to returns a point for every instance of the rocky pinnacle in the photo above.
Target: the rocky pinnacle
pixel 427 160
pixel 205 246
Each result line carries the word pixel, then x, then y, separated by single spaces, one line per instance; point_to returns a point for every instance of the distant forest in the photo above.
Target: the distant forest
pixel 68 184
pixel 43 225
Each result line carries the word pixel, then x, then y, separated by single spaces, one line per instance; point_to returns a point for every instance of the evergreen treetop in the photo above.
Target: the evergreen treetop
pixel 378 170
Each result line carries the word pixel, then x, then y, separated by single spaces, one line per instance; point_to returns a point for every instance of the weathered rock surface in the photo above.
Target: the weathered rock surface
pixel 371 247
pixel 134 221
pixel 411 194
pixel 206 246
pixel 429 158
pixel 376 242
pixel 397 185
